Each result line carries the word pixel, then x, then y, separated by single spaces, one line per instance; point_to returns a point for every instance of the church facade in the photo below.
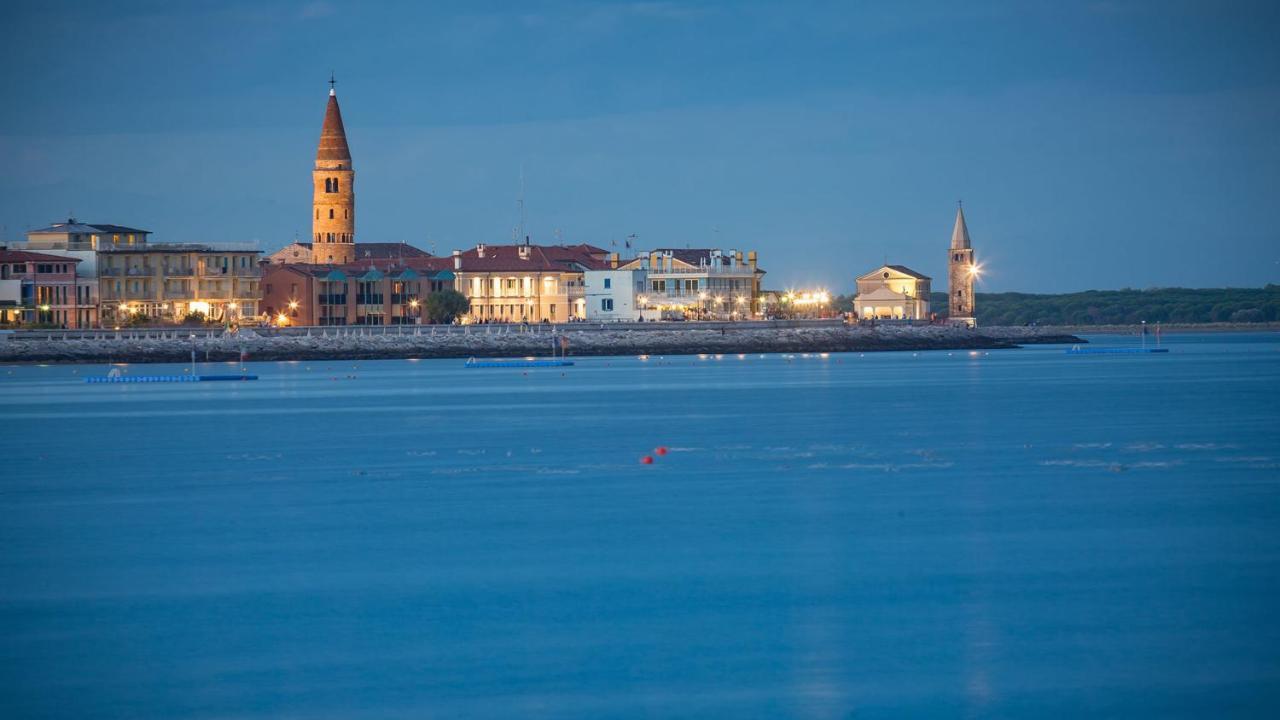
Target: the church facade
pixel 893 292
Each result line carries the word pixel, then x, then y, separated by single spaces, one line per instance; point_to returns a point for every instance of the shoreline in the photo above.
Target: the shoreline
pixel 585 341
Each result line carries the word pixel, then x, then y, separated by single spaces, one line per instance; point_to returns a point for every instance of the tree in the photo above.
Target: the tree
pixel 445 306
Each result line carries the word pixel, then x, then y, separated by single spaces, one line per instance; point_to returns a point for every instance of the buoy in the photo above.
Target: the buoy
pixel 660 450
pixel 646 460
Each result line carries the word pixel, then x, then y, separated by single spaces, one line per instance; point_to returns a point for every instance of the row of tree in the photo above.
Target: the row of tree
pixel 1119 307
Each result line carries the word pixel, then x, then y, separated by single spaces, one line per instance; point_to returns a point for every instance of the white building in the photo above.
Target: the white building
pixel 612 294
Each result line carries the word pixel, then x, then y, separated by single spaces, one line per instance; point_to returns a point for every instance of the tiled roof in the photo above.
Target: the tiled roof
pixel 377 250
pixel 333 136
pixel 16 256
pixel 508 258
pixel 908 271
pixel 71 226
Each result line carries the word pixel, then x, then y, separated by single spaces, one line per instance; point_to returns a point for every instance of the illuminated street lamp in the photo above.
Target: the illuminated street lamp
pixel 643 300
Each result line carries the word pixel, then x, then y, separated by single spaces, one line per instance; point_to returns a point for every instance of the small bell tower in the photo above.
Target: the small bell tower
pixel 962 272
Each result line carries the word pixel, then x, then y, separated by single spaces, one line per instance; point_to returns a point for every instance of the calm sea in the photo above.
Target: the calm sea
pixel 1019 534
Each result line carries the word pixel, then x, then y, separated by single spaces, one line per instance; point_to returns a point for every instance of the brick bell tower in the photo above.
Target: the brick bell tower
pixel 333 226
pixel 962 271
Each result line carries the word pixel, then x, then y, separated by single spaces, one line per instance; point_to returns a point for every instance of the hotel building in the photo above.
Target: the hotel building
pixel 44 289
pixel 526 283
pixel 388 292
pixel 698 284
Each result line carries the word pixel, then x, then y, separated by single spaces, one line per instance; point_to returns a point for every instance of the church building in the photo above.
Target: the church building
pixel 892 292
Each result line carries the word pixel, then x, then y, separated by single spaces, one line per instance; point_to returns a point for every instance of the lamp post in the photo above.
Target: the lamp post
pixel 413 311
pixel 642 300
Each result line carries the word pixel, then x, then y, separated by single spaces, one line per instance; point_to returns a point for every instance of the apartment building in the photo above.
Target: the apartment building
pixel 526 283
pixel 43 289
pixel 386 292
pixel 169 281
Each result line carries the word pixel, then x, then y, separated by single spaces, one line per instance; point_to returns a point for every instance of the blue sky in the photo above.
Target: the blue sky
pixel 1095 144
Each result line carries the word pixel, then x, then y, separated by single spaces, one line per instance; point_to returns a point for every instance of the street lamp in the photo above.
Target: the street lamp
pixel 643 300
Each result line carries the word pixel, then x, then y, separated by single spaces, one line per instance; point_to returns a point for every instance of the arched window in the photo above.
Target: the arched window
pixel 346 213
pixel 335 184
pixel 330 213
pixel 328 186
pixel 317 213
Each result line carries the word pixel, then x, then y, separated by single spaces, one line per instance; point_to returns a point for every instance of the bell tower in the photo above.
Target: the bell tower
pixel 333 224
pixel 962 271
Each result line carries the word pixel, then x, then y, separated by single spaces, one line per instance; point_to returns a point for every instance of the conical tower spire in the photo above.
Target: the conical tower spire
pixel 333 150
pixel 960 235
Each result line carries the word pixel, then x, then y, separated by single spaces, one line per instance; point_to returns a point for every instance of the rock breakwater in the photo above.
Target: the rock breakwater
pixel 501 341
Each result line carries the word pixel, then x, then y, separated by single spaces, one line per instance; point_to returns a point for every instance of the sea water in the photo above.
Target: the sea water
pixel 1019 534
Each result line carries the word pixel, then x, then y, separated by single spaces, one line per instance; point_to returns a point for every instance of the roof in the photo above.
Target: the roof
pixel 431 268
pixel 365 250
pixel 875 274
pixel 508 258
pixel 960 233
pixel 12 256
pixel 176 248
pixel 333 137
pixel 75 227
pixel 694 257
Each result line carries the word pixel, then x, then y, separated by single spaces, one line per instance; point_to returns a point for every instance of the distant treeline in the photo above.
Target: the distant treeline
pixel 1120 307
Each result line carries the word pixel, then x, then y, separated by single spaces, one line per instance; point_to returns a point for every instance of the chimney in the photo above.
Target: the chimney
pixel 613 260
pixel 751 260
pixel 457 259
pixel 653 261
pixel 480 250
pixel 737 257
pixel 524 251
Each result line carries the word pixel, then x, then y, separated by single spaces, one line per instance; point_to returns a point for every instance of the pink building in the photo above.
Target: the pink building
pixel 40 289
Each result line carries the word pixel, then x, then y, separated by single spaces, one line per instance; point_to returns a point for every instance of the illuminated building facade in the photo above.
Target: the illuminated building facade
pixel 893 292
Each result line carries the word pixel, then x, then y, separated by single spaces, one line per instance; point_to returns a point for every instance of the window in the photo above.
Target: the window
pixel 330 213
pixel 608 283
pixel 335 184
pixel 606 304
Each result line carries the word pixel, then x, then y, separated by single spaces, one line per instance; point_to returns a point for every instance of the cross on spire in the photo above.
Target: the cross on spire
pixel 332 84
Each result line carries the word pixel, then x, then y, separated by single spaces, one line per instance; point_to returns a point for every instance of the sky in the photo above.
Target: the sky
pixel 1106 144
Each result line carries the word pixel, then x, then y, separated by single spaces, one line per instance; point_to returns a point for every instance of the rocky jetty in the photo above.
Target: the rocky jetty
pixel 499 341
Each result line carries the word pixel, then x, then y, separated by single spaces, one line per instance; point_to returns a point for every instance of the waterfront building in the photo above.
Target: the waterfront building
pixel 892 292
pixel 333 225
pixel 612 293
pixel 44 289
pixel 704 283
pixel 387 291
pixel 301 252
pixel 169 281
pixel 962 271
pixel 526 283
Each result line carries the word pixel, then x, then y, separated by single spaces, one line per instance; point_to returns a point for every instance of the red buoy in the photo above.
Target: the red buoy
pixel 660 450
pixel 646 460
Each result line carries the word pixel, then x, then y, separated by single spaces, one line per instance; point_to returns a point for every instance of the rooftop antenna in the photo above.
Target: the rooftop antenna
pixel 520 200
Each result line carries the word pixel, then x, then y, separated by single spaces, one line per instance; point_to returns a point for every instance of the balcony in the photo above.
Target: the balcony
pixel 180 294
pixel 374 299
pixel 144 294
pixel 250 272
pixel 333 299
pixel 179 272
